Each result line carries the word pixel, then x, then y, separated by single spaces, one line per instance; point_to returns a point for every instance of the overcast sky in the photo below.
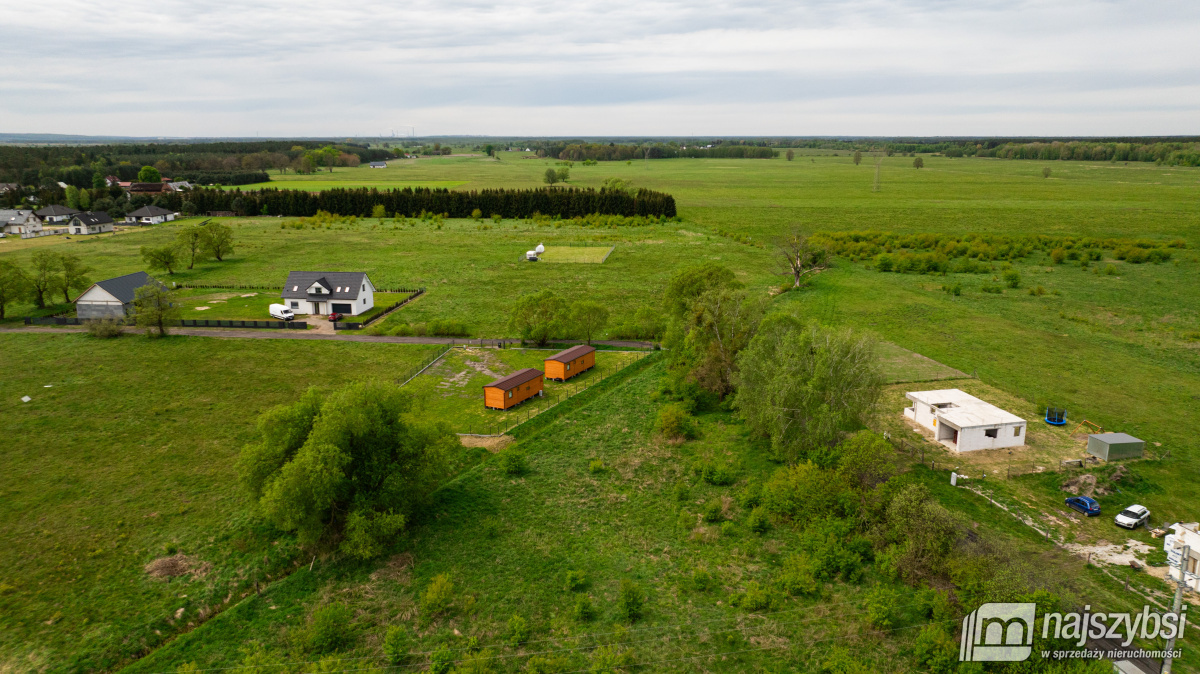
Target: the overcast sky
pixel 580 67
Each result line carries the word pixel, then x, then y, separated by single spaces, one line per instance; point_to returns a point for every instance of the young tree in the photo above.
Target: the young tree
pixel 588 318
pixel 154 309
pixel 791 154
pixel 351 469
pixel 1046 172
pixel 42 277
pixel 563 174
pixel 551 176
pixel 919 162
pixel 799 258
pixel 191 242
pixel 85 200
pixel 857 157
pixel 149 174
pixel 74 274
pixel 218 240
pixel 538 317
pixel 98 182
pixel 72 197
pixel 804 386
pixel 13 285
pixel 161 257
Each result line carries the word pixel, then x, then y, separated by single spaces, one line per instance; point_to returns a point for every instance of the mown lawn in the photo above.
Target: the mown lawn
pixel 125 454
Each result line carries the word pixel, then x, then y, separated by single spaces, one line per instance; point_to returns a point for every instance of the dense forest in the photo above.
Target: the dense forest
pixel 229 163
pixel 1172 152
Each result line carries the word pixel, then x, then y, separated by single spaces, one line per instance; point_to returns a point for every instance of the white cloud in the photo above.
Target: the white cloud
pixel 304 67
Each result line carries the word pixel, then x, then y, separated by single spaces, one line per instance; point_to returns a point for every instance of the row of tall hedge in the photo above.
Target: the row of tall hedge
pixel 409 202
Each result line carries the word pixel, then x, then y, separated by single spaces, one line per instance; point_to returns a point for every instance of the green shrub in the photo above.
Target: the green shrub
pixel 797 577
pixel 437 597
pixel 702 580
pixel 583 611
pixel 675 423
pixel 756 598
pixel 441 661
pixel 596 466
pixel 715 473
pixel 881 606
pixel 681 492
pixel 1037 291
pixel 576 581
pixel 955 289
pixel 447 327
pixel 989 288
pixel 513 462
pixel 885 262
pixel 518 631
pixel 751 496
pixel 1058 255
pixel 1012 278
pixel 609 660
pixel 729 529
pixel 1110 270
pixel 713 511
pixel 631 601
pixel 935 651
pixel 107 328
pixel 396 644
pixel 548 664
pixel 331 629
pixel 402 330
pixel 759 521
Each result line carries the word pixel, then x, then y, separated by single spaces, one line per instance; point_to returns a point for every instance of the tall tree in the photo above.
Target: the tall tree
pixel 149 174
pixel 218 240
pixel 42 277
pixel 588 318
pixel 154 309
pixel 720 325
pixel 98 182
pixel 791 154
pixel 161 257
pixel 13 285
pixel 191 241
pixel 857 157
pixel 71 196
pixel 550 177
pixel 805 386
pixel 538 317
pixel 919 162
pixel 74 274
pixel 85 200
pixel 350 470
pixel 800 258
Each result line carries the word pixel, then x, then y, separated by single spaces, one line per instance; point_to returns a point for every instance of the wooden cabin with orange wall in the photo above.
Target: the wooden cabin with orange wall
pixel 574 361
pixel 514 389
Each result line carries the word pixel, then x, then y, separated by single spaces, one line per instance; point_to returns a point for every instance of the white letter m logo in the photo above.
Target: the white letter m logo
pixel 998 633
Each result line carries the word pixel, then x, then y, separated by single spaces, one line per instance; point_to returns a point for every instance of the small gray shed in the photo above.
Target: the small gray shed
pixel 1115 446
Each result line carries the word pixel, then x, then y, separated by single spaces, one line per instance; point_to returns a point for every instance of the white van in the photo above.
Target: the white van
pixel 281 312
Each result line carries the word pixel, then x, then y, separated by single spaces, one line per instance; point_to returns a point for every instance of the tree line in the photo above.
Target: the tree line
pixel 409 202
pixel 614 152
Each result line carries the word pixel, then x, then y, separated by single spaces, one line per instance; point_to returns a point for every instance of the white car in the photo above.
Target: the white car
pixel 281 312
pixel 1133 517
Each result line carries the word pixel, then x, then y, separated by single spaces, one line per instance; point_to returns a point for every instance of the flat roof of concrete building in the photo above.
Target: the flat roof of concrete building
pixel 963 409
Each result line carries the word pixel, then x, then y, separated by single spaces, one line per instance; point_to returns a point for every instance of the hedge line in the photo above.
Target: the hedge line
pixel 408 202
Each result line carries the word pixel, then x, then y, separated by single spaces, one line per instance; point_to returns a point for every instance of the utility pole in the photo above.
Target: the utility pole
pixel 1187 550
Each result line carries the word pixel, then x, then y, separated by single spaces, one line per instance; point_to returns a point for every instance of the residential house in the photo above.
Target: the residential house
pixel 146 188
pixel 20 221
pixel 112 298
pixel 4 187
pixel 963 422
pixel 149 215
pixel 56 214
pixel 326 292
pixel 1183 536
pixel 91 222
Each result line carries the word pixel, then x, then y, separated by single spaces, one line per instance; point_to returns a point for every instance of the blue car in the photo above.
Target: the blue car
pixel 1084 504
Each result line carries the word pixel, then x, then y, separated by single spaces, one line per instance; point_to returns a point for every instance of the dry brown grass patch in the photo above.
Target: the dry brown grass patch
pixel 177 565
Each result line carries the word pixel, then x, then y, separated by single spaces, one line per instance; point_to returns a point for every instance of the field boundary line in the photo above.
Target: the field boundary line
pixel 610 252
pixel 427 366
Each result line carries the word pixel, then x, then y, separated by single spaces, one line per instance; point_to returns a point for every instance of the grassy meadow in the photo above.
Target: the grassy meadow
pixel 130 453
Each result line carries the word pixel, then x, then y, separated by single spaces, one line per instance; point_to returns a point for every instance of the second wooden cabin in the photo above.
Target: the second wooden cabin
pixel 512 390
pixel 574 361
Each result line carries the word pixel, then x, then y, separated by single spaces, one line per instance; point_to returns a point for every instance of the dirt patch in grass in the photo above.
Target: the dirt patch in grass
pixel 492 444
pixel 177 565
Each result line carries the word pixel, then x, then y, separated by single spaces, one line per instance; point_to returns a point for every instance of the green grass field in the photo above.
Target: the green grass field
pixel 1120 349
pixel 452 390
pixel 125 454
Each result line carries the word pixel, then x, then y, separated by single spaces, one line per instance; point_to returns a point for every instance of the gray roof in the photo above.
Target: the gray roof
pixel 516 379
pixel 1115 438
pixel 125 287
pixel 149 212
pixel 8 215
pixel 339 285
pixel 93 218
pixel 56 210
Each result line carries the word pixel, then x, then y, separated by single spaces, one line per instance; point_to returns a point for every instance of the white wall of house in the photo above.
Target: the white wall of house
pixel 77 228
pixel 97 303
pixel 965 423
pixel 976 438
pixel 1173 543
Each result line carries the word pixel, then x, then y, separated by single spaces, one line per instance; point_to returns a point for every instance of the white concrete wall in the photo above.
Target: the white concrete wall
pixel 922 415
pixel 1174 556
pixel 975 438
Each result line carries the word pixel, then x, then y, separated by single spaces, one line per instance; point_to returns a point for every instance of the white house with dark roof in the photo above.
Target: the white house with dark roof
pixel 149 215
pixel 56 214
pixel 326 292
pixel 111 298
pixel 963 422
pixel 91 223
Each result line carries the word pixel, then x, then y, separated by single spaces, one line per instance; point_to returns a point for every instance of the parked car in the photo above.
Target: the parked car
pixel 281 312
pixel 335 316
pixel 1084 504
pixel 1133 517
